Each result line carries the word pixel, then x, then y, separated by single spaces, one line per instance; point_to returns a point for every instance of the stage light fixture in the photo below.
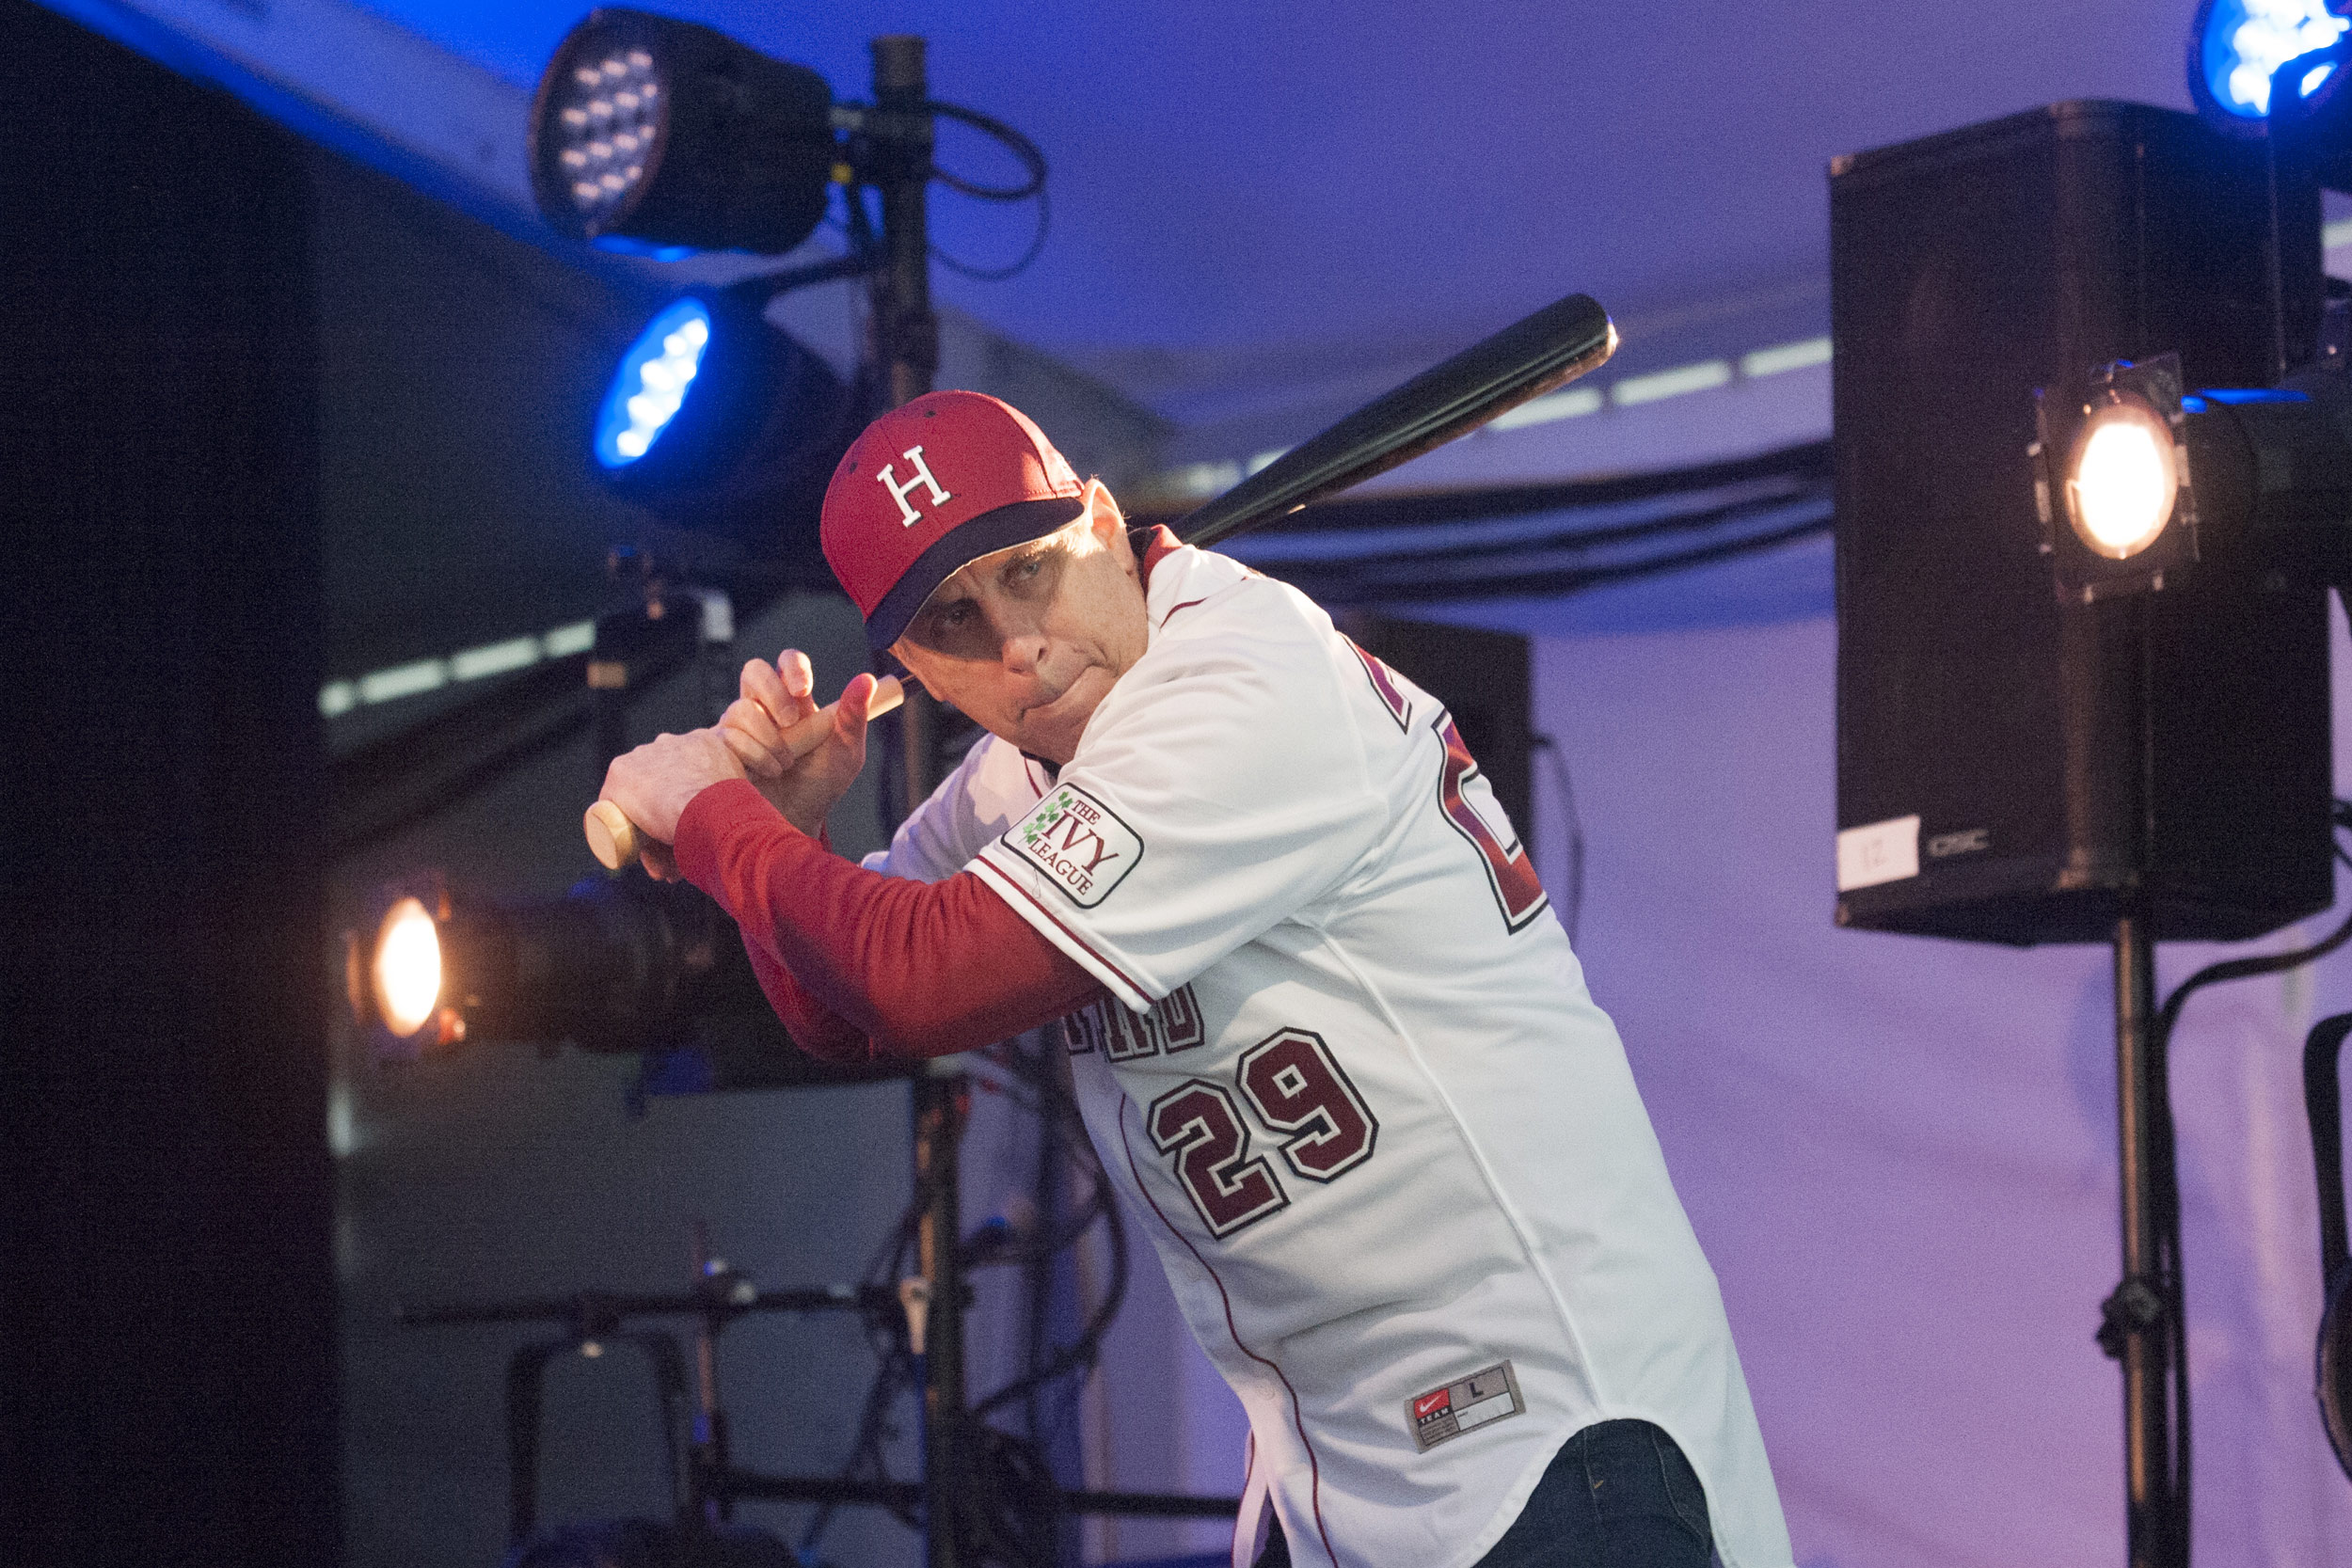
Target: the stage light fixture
pixel 2112 481
pixel 396 973
pixel 616 965
pixel 664 132
pixel 2274 469
pixel 2237 46
pixel 2273 481
pixel 654 134
pixel 650 386
pixel 613 965
pixel 718 420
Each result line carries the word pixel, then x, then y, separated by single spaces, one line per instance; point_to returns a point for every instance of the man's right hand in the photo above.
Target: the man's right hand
pixel 773 698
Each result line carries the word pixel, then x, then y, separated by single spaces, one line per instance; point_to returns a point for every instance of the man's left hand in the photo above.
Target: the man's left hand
pixel 653 782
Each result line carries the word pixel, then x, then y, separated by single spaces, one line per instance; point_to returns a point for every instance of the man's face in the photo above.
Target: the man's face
pixel 1028 640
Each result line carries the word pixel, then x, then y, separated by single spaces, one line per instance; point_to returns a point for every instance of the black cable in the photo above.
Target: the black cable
pixel 1360 581
pixel 996 1507
pixel 892 1376
pixel 2171 1277
pixel 1085 1347
pixel 1011 140
pixel 998 274
pixel 1031 159
pixel 1793 471
pixel 1083 1351
pixel 1049 1197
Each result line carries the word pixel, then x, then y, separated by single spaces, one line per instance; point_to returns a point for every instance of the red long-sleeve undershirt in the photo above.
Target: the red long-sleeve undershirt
pixel 863 966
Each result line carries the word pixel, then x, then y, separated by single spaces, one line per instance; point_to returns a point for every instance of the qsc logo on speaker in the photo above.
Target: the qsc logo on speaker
pixel 1944 845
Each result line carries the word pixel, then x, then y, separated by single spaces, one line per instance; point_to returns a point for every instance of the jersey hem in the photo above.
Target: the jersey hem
pixel 1515 1501
pixel 1695 1457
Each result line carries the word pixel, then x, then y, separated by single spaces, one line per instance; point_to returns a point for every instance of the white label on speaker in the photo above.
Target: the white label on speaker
pixel 1882 852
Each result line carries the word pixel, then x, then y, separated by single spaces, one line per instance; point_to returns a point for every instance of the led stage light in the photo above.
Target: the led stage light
pixel 718 420
pixel 2236 46
pixel 650 386
pixel 667 132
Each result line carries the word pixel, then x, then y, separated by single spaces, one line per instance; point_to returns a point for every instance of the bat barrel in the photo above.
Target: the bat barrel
pixel 1526 359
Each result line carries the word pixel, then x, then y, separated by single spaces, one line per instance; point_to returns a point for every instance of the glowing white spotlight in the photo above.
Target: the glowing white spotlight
pixel 2124 481
pixel 407 967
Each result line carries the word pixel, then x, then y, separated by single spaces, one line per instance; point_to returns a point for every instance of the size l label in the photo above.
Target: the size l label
pixel 1881 852
pixel 1479 1399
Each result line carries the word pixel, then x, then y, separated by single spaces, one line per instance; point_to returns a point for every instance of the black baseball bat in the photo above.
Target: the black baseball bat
pixel 1533 356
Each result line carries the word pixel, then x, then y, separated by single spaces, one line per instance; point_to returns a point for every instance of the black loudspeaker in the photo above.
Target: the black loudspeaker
pixel 2010 766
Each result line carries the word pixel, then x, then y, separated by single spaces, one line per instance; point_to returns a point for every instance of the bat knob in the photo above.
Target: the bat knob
pixel 612 836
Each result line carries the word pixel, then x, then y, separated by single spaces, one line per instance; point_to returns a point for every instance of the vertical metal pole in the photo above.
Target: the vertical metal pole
pixel 907 331
pixel 2137 1310
pixel 708 1461
pixel 906 338
pixel 939 1104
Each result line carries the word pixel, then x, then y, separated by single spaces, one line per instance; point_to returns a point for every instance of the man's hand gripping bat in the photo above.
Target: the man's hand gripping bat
pixel 613 837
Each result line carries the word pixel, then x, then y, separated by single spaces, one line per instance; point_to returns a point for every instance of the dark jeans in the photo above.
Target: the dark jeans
pixel 1618 1495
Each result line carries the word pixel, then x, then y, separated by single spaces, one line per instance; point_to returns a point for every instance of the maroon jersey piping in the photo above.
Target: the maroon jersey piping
pixel 1299 1416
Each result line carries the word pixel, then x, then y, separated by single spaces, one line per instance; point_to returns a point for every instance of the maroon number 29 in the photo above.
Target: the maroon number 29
pixel 1299 1091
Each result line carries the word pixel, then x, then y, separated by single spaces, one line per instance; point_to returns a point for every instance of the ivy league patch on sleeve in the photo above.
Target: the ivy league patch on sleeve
pixel 1078 841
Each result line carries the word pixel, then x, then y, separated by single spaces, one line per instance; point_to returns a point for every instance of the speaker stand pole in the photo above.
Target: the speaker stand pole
pixel 906 343
pixel 2133 1328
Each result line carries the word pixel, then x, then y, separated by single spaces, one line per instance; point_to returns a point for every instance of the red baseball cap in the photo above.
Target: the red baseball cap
pixel 931 486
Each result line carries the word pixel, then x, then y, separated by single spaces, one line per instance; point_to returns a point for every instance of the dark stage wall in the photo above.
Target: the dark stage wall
pixel 166 1351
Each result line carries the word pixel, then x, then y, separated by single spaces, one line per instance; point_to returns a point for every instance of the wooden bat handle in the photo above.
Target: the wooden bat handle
pixel 613 837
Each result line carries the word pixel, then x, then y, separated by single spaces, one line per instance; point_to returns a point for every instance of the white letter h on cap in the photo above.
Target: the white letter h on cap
pixel 908 516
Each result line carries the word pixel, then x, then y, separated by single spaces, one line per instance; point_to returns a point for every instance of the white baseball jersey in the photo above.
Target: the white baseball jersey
pixel 1389 1149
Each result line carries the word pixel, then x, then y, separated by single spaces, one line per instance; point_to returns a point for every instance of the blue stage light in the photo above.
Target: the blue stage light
pixel 716 421
pixel 653 383
pixel 2239 43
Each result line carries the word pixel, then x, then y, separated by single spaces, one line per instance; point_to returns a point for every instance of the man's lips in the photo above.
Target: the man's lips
pixel 1046 707
pixel 1042 705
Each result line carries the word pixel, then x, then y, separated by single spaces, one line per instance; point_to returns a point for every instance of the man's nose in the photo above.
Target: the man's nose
pixel 1019 642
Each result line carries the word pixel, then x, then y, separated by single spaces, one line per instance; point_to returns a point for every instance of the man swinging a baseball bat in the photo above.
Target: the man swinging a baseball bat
pixel 1327 1035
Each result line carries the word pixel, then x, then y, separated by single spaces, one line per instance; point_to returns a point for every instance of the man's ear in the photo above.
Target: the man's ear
pixel 1102 513
pixel 1109 527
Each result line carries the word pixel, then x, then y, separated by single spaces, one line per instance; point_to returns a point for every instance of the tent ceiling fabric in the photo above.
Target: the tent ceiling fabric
pixel 1263 216
pixel 1254 203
